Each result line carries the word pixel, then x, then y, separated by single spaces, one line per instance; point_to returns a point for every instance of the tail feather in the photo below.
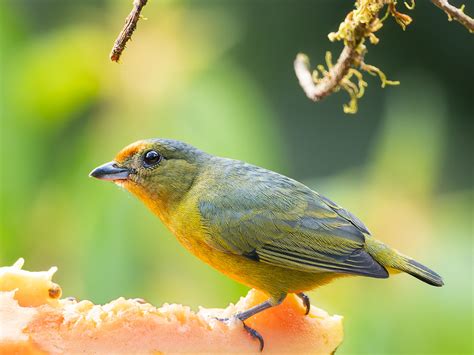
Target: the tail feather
pixel 423 273
pixel 391 258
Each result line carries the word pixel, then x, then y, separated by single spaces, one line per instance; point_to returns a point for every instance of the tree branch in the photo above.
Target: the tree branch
pixel 329 83
pixel 126 34
pixel 455 14
pixel 358 26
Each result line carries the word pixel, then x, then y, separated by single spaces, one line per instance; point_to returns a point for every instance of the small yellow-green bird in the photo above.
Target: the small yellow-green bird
pixel 261 228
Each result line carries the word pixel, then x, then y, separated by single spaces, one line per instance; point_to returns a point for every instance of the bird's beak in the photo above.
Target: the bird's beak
pixel 110 171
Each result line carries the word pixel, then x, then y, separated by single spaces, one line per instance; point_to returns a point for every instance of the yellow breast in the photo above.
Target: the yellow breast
pixel 185 223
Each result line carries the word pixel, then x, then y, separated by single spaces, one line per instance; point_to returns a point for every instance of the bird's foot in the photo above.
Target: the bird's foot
pixel 253 333
pixel 223 320
pixel 306 302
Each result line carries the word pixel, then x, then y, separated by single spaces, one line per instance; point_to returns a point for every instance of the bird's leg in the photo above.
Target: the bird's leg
pixel 306 302
pixel 257 309
pixel 242 316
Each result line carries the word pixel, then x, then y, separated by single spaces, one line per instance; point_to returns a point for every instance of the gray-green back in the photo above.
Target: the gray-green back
pixel 270 218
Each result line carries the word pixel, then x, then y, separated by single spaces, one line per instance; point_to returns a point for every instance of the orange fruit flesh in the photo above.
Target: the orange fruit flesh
pixel 41 323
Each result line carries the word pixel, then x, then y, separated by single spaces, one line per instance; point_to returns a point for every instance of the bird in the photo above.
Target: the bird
pixel 260 228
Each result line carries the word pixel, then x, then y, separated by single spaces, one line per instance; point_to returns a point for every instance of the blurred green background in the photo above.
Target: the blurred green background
pixel 218 74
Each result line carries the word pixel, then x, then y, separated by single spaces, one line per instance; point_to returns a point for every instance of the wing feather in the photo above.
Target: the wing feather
pixel 276 220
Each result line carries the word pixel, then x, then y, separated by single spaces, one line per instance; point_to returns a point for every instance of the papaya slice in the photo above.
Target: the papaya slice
pixel 34 320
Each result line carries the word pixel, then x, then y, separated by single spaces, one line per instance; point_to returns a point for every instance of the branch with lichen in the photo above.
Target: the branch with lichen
pixel 360 25
pixel 455 14
pixel 346 74
pixel 126 34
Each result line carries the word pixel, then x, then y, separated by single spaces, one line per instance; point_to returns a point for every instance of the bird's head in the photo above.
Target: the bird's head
pixel 158 171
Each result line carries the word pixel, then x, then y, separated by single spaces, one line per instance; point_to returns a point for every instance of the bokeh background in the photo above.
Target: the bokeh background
pixel 218 74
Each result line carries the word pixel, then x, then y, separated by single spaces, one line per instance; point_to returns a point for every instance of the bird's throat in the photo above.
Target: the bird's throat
pixel 161 203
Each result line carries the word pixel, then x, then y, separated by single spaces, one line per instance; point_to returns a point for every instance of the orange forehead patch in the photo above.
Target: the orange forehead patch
pixel 130 150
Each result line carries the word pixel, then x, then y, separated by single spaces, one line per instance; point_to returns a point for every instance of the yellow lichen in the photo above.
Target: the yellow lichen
pixel 410 6
pixel 360 24
pixel 376 71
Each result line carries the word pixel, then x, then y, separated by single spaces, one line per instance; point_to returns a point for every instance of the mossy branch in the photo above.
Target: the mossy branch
pixel 455 14
pixel 359 26
pixel 329 82
pixel 126 34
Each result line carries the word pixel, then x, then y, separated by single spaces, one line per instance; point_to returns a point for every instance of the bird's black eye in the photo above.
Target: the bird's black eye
pixel 151 158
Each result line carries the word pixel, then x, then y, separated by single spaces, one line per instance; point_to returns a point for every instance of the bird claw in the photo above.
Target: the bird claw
pixel 306 302
pixel 223 320
pixel 253 333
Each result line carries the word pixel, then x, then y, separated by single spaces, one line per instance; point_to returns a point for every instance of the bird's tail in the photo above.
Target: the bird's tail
pixel 391 258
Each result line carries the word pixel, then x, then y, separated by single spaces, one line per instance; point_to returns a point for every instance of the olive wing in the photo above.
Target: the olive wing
pixel 286 224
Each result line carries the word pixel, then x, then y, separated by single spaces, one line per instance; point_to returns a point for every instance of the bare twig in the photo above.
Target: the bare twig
pixel 126 34
pixel 329 82
pixel 455 14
